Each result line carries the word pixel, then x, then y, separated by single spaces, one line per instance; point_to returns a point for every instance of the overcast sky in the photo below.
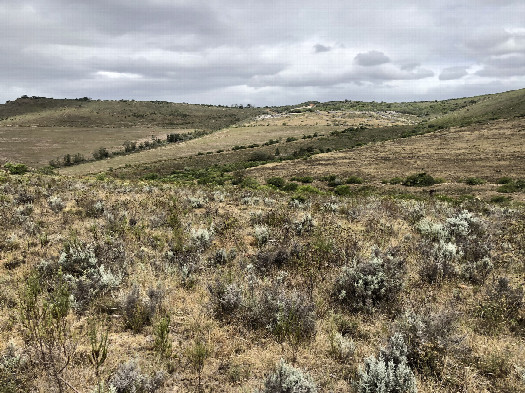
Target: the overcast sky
pixel 266 52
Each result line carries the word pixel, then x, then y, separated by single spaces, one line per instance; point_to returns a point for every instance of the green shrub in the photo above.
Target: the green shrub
pixel 354 180
pixel 44 308
pixel 290 187
pixel 249 182
pixel 517 185
pixel 500 199
pixel 101 153
pixel 333 180
pixel 474 181
pixel 162 342
pixel 277 182
pixel 396 180
pixel 16 169
pixel 504 180
pixel 308 189
pixel 343 190
pixel 262 156
pixel 420 180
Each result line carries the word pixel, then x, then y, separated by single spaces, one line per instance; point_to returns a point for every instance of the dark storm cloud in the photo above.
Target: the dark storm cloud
pixel 271 52
pixel 371 58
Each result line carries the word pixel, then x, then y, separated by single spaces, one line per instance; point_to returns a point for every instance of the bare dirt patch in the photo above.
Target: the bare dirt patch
pixel 336 118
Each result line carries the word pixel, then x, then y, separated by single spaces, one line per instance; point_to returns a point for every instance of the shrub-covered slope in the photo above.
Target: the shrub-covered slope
pixel 148 287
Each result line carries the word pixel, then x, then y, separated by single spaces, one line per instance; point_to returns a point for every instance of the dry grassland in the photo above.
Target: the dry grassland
pixel 220 140
pixel 36 146
pixel 486 151
pixel 135 227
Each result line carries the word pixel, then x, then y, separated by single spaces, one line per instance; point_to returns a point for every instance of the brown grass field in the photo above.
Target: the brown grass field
pixel 144 233
pixel 487 151
pixel 35 146
pixel 246 134
pixel 223 139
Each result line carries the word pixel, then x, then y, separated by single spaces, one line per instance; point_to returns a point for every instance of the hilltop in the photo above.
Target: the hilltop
pixel 84 112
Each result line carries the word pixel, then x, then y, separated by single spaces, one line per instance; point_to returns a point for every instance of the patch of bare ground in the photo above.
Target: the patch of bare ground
pixel 335 118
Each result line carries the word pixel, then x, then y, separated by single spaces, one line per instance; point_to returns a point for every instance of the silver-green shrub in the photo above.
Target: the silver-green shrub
pixel 389 372
pixel 201 238
pixel 288 379
pixel 55 203
pixel 128 378
pixel 85 273
pixel 262 234
pixel 459 247
pixel 365 285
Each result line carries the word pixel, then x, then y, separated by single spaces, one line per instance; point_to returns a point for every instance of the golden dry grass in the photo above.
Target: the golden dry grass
pixel 220 140
pixel 241 357
pixel 36 146
pixel 486 151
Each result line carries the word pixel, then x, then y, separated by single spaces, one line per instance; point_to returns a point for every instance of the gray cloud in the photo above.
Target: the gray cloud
pixel 321 48
pixel 452 73
pixel 371 58
pixel 512 65
pixel 262 52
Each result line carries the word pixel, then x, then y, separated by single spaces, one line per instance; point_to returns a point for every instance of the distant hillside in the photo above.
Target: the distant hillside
pixel 83 112
pixel 508 105
pixel 479 108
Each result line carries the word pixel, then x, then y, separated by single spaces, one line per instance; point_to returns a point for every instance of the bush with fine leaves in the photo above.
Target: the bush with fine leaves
pixel 138 311
pixel 225 298
pixel 389 372
pixel 128 378
pixel 367 284
pixel 86 273
pixel 430 337
pixel 288 379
